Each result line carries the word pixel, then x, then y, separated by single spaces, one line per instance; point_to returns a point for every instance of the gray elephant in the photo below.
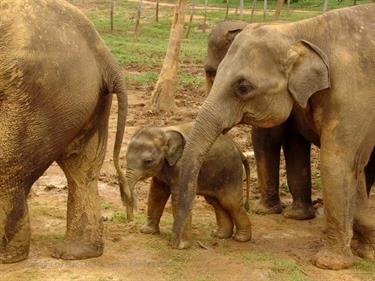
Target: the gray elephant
pixel 316 67
pixel 56 83
pixel 294 136
pixel 155 152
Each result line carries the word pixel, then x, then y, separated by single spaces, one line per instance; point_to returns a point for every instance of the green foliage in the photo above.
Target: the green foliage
pixel 48 237
pixel 365 266
pixel 106 205
pixel 284 269
pixel 119 217
pixel 145 53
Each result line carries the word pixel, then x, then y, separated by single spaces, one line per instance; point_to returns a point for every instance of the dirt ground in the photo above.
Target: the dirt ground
pixel 281 249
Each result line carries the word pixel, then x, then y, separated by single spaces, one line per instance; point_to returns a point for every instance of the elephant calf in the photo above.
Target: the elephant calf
pixel 155 152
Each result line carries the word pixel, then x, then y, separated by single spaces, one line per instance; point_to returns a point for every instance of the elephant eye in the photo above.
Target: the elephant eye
pixel 148 162
pixel 243 87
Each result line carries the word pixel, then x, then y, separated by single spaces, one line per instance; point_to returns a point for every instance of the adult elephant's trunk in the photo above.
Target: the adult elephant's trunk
pixel 209 124
pixel 132 178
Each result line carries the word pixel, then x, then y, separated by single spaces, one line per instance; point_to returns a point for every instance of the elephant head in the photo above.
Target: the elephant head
pixel 219 41
pixel 149 150
pixel 265 72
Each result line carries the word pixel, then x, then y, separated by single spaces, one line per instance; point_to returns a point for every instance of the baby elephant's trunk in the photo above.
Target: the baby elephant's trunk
pixel 130 200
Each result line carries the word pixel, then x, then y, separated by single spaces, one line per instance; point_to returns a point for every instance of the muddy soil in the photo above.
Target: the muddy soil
pixel 281 249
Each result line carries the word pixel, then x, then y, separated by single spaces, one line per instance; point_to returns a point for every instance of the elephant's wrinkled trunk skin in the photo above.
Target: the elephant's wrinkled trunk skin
pixel 132 179
pixel 207 128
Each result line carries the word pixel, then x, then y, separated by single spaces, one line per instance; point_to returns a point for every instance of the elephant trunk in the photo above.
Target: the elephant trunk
pixel 132 179
pixel 207 128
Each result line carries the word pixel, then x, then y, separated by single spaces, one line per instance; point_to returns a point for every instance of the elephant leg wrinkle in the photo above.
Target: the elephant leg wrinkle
pixel 15 232
pixel 84 234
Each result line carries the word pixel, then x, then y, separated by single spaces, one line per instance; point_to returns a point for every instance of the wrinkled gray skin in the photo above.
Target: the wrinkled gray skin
pixel 155 152
pixel 324 66
pixel 294 136
pixel 56 83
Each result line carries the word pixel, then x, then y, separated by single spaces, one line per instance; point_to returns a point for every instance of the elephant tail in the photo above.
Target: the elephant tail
pixel 246 165
pixel 118 88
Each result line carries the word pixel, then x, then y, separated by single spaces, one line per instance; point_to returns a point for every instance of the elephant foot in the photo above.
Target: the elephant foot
pixel 299 211
pixel 242 236
pixel 149 229
pixel 333 259
pixel 261 208
pixel 365 250
pixel 13 256
pixel 222 233
pixel 77 250
pixel 180 244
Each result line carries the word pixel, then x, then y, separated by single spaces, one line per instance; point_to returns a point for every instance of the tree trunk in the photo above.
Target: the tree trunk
pixel 227 10
pixel 205 15
pixel 162 98
pixel 241 9
pixel 264 10
pixel 111 13
pixel 139 9
pixel 354 2
pixel 190 19
pixel 288 8
pixel 279 6
pixel 325 6
pixel 253 9
pixel 157 11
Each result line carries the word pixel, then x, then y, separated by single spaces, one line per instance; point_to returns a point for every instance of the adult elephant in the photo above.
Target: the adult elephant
pixel 295 136
pixel 56 83
pixel 312 66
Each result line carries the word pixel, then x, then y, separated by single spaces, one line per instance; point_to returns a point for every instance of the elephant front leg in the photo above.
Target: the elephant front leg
pixel 184 241
pixel 157 198
pixel 84 235
pixel 267 146
pixel 297 158
pixel 14 224
pixel 339 190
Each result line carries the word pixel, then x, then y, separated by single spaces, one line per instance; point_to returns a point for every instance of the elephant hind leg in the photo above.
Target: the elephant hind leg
pixel 297 159
pixel 223 219
pixel 14 226
pixel 81 165
pixel 234 206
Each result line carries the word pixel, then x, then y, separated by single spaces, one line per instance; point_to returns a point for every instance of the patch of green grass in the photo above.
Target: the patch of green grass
pixel 317 184
pixel 119 217
pixel 106 205
pixel 186 79
pixel 140 218
pixel 48 212
pixel 285 269
pixel 56 237
pixel 145 78
pixel 365 266
pixel 257 257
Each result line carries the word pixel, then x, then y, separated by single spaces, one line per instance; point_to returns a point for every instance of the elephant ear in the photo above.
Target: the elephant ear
pixel 232 33
pixel 308 71
pixel 176 144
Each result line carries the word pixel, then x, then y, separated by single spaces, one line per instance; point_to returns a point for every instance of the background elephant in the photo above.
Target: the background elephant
pixel 295 136
pixel 56 83
pixel 312 66
pixel 155 152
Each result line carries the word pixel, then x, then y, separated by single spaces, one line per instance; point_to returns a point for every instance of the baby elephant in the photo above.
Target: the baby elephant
pixel 156 152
